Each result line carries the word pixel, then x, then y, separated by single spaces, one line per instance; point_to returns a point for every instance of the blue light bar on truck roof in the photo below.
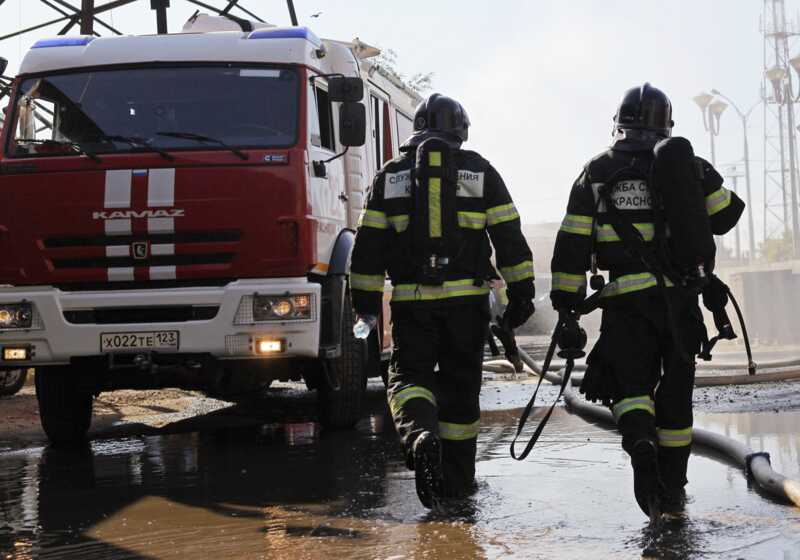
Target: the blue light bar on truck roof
pixel 81 41
pixel 286 33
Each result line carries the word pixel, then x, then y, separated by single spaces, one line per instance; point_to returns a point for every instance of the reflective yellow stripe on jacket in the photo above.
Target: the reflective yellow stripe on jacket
pixel 367 282
pixel 450 289
pixel 400 222
pixel 458 432
pixel 630 283
pixel 374 219
pixel 522 271
pixel 718 200
pixel 503 213
pixel 607 234
pixel 472 220
pixel 675 438
pixel 398 399
pixel 624 406
pixel 577 224
pixel 572 283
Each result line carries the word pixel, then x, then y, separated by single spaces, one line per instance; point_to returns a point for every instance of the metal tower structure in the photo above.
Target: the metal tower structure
pixel 780 135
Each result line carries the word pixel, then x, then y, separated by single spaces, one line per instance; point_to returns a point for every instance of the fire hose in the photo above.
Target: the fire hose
pixel 755 465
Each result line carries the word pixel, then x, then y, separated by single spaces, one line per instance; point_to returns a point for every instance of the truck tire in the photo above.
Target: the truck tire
pixel 65 407
pixel 341 408
pixel 11 381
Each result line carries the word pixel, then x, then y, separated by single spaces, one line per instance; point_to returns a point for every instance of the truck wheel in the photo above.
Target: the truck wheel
pixel 11 381
pixel 342 408
pixel 65 407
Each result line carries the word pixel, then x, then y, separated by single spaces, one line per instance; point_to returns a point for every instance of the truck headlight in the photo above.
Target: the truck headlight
pixel 16 316
pixel 263 309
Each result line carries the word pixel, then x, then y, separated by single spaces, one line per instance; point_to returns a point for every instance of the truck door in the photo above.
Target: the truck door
pixel 326 184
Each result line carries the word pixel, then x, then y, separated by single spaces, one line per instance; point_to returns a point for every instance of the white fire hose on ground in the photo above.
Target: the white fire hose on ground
pixel 755 465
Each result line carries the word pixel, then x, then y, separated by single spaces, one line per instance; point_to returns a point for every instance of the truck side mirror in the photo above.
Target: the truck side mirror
pixel 342 89
pixel 4 65
pixel 352 124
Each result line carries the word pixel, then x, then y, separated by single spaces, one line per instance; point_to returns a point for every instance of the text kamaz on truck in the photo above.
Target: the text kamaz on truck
pixel 174 214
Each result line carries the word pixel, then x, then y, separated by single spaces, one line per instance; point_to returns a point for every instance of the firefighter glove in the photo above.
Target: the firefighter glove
pixel 518 311
pixel 571 338
pixel 715 295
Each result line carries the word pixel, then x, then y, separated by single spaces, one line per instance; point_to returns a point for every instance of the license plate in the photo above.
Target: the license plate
pixel 132 341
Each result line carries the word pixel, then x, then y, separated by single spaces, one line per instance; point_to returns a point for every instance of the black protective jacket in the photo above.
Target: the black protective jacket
pixel 587 225
pixel 484 211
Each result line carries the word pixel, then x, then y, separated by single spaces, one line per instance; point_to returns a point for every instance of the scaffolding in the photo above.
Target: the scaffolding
pixel 780 211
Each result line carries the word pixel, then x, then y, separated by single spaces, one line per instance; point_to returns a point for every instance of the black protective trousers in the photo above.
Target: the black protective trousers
pixel 649 380
pixel 443 400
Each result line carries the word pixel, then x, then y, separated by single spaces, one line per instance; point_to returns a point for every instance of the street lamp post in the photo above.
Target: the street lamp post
pixel 745 117
pixel 704 101
pixel 712 110
pixel 733 173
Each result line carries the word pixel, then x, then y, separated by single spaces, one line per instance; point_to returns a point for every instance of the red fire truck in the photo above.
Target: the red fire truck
pixel 179 210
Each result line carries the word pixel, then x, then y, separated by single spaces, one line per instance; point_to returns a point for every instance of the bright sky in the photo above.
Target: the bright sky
pixel 539 79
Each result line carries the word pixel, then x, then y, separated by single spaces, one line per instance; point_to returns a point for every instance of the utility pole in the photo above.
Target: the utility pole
pixel 87 17
pixel 160 6
pixel 292 13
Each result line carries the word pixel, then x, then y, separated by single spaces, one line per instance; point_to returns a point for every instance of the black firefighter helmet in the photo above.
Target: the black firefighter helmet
pixel 645 108
pixel 441 116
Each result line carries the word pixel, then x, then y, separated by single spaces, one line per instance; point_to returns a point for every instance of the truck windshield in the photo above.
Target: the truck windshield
pixel 249 107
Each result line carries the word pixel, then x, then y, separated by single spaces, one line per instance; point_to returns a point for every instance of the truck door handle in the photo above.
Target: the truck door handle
pixel 343 197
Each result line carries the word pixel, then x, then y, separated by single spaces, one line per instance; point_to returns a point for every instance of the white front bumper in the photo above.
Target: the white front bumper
pixel 60 340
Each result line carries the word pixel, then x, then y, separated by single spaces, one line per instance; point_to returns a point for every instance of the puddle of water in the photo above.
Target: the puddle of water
pixel 277 490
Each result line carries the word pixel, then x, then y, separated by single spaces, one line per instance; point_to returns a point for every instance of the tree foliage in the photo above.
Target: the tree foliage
pixel 421 82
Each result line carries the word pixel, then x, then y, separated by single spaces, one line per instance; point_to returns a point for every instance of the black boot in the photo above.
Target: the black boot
pixel 646 481
pixel 428 469
pixel 639 440
pixel 673 463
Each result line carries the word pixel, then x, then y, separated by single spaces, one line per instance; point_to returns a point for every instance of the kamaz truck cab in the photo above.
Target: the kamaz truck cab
pixel 179 210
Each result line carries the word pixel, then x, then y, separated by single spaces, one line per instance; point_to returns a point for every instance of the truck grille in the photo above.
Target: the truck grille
pixel 129 315
pixel 165 249
pixel 169 260
pixel 175 238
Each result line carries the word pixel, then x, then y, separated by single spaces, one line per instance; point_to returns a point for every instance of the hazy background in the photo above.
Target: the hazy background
pixel 540 80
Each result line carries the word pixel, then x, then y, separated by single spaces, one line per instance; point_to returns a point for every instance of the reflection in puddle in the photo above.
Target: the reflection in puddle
pixel 290 490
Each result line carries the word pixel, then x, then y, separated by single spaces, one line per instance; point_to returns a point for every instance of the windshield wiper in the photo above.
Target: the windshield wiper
pixel 138 142
pixel 203 138
pixel 74 145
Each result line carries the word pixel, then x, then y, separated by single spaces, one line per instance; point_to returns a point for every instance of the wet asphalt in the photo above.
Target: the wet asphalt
pixel 262 480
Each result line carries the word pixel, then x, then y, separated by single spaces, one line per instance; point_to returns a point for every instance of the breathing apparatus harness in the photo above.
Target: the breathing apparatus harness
pixel 657 260
pixel 571 338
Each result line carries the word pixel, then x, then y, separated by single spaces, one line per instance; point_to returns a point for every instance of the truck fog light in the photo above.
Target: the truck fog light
pixel 16 353
pixel 265 346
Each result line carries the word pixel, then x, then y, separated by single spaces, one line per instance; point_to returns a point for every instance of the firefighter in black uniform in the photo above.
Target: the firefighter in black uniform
pixel 426 223
pixel 643 362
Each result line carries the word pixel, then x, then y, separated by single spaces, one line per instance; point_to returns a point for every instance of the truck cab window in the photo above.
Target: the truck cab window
pixel 325 115
pixel 167 108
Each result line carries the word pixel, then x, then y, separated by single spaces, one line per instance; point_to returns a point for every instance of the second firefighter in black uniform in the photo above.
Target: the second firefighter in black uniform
pixel 428 222
pixel 643 362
